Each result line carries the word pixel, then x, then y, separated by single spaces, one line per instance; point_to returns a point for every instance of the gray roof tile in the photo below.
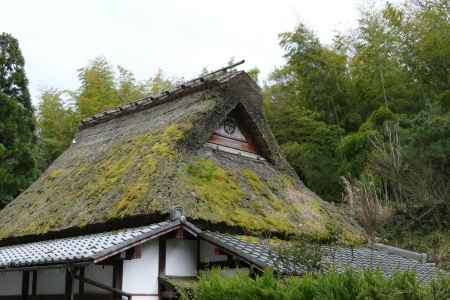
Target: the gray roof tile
pixel 90 247
pixel 81 248
pixel 340 257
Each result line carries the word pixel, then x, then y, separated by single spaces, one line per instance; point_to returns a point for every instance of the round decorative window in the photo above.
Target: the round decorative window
pixel 229 126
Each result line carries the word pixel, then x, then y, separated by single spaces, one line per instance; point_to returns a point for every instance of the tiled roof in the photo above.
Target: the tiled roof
pixel 259 255
pixel 96 247
pixel 75 249
pixel 341 258
pixel 388 263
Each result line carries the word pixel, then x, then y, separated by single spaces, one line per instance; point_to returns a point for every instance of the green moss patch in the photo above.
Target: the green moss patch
pixel 259 204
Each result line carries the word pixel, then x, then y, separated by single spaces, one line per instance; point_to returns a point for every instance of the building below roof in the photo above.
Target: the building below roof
pixel 162 261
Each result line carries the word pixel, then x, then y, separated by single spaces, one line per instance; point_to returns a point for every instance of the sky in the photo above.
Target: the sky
pixel 180 37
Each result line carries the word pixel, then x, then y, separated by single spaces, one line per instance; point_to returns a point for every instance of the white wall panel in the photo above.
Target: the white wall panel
pixel 51 281
pixel 141 275
pixel 10 283
pixel 181 257
pixel 102 274
pixel 208 253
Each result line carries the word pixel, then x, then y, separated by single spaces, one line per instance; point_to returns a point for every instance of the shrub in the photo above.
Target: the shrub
pixel 331 285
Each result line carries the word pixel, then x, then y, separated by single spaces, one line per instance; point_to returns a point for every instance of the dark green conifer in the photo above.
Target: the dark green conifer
pixel 17 138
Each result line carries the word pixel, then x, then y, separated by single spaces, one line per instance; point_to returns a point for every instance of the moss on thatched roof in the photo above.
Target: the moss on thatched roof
pixel 133 168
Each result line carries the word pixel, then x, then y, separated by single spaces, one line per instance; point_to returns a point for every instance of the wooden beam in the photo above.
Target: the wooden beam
pixel 107 288
pixel 25 284
pixel 34 283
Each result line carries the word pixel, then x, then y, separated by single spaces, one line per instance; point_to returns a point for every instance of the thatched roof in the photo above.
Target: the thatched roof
pixel 129 166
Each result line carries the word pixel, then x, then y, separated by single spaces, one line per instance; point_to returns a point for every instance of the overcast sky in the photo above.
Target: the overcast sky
pixel 180 37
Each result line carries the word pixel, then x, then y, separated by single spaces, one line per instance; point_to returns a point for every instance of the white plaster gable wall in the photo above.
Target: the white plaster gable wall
pixel 10 283
pixel 208 253
pixel 181 257
pixel 51 281
pixel 140 275
pixel 102 274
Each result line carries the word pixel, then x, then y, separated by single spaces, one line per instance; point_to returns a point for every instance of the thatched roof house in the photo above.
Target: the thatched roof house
pixel 96 225
pixel 130 165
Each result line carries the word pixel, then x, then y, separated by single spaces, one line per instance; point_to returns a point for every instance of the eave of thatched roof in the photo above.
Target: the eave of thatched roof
pixel 130 166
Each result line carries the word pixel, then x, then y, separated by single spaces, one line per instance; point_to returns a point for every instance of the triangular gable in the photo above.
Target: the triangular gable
pixel 233 136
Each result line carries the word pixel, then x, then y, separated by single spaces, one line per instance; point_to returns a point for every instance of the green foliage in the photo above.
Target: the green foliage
pixel 102 88
pixel 98 92
pixel 329 106
pixel 158 83
pixel 254 73
pixel 309 144
pixel 57 123
pixel 331 285
pixel 128 89
pixel 328 103
pixel 17 140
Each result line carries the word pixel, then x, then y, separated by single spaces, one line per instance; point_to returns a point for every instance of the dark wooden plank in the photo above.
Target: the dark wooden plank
pixel 179 234
pixel 198 256
pixel 162 255
pixel 34 283
pixel 25 284
pixel 118 277
pixel 68 294
pixel 81 282
pixel 235 144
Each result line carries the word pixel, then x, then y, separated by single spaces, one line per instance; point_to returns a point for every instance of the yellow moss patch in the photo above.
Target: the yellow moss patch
pixel 222 198
pixel 217 188
pixel 254 181
pixel 144 155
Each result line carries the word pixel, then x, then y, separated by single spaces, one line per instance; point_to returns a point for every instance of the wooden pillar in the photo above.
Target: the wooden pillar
pixel 25 284
pixel 118 277
pixel 162 263
pixel 68 295
pixel 34 283
pixel 198 256
pixel 81 283
pixel 162 255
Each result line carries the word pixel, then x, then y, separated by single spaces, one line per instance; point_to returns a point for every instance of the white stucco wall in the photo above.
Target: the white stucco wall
pixel 51 281
pixel 181 257
pixel 141 275
pixel 208 254
pixel 102 274
pixel 10 283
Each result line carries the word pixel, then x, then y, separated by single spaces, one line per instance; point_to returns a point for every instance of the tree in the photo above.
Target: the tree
pixel 158 83
pixel 57 124
pixel 17 138
pixel 128 89
pixel 98 91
